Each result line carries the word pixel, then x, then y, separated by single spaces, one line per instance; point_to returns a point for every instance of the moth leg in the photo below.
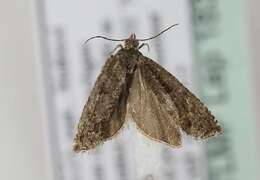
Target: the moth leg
pixel 144 44
pixel 119 46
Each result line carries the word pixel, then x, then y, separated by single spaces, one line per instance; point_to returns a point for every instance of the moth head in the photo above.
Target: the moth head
pixel 131 42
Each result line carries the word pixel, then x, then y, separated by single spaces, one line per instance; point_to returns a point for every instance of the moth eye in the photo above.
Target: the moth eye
pixel 136 43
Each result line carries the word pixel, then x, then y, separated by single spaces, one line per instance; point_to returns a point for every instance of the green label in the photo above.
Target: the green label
pixel 222 63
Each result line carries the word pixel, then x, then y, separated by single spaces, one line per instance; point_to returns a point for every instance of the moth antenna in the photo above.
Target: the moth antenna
pixel 146 39
pixel 155 36
pixel 103 37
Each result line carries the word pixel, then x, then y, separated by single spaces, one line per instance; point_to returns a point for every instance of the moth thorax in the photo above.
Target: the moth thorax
pixel 131 42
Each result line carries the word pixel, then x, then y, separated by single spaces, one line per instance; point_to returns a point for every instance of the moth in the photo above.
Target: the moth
pixel 161 107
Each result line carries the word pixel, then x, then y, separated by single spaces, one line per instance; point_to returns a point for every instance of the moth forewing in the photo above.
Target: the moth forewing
pixel 194 118
pixel 104 113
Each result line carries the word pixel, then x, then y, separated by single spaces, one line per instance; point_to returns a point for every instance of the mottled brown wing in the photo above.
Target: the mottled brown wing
pixel 153 110
pixel 104 113
pixel 188 112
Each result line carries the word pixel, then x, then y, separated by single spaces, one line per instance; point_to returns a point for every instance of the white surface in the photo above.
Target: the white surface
pixel 22 152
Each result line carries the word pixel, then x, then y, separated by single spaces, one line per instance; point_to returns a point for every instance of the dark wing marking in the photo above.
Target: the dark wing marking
pixel 104 113
pixel 153 111
pixel 193 116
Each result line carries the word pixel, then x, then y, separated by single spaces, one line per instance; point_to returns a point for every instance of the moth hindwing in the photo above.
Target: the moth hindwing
pixel 159 104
